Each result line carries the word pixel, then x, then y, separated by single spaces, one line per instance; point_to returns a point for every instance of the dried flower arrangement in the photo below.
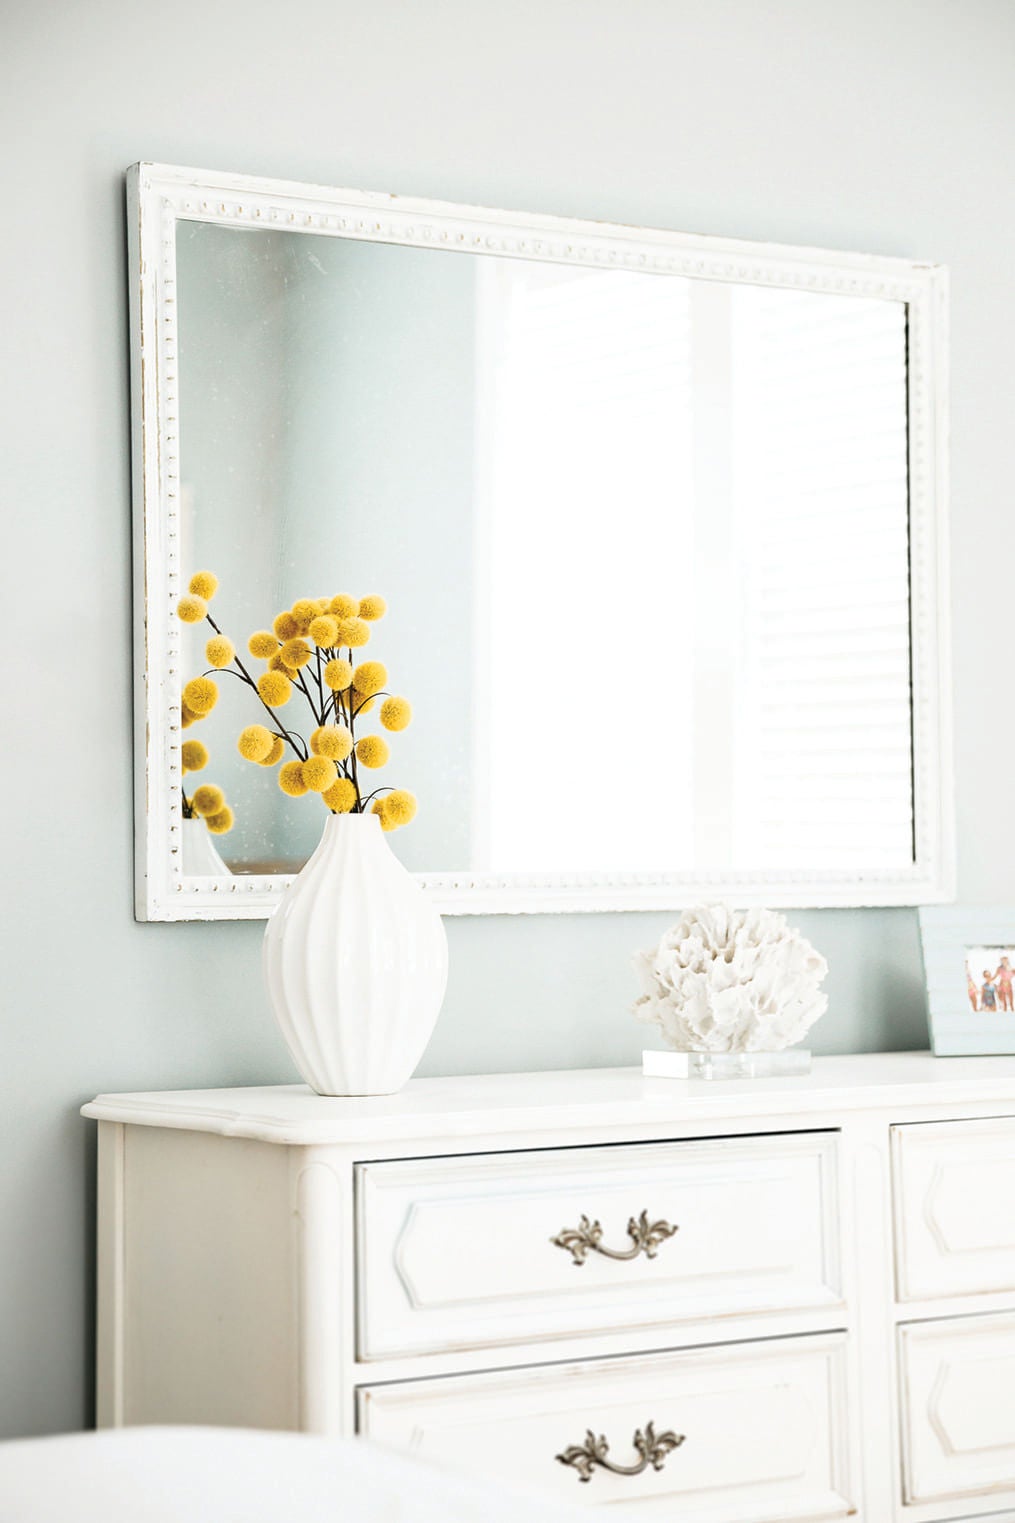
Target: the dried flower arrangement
pixel 308 650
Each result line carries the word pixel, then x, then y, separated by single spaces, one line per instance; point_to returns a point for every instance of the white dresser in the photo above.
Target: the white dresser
pixel 744 1302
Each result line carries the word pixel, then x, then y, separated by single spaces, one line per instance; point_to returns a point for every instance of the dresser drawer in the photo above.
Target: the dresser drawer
pixel 741 1434
pixel 954 1187
pixel 472 1252
pixel 958 1410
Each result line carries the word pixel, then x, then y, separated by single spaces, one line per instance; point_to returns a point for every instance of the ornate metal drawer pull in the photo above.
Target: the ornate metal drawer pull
pixel 652 1446
pixel 586 1238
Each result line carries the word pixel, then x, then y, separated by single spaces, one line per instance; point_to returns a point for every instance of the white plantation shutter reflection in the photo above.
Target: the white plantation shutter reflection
pixel 720 679
pixel 586 446
pixel 824 753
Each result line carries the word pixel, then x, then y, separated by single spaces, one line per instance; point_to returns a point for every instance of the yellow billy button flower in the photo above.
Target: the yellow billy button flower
pixel 372 608
pixel 372 751
pixel 191 610
pixel 377 807
pixel 285 626
pixel 332 740
pixel 353 632
pixel 219 651
pixel 219 823
pixel 341 796
pixel 275 754
pixel 187 717
pixel 400 806
pixel 275 689
pixel 204 584
pixel 319 772
pixel 200 696
pixel 396 713
pixel 208 799
pixel 296 653
pixel 255 742
pixel 343 606
pixel 338 674
pixel 290 779
pixel 323 630
pixel 262 643
pixel 193 755
pixel 303 611
pixel 369 677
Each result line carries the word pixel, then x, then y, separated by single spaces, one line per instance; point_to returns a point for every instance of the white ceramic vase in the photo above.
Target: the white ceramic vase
pixel 200 854
pixel 356 963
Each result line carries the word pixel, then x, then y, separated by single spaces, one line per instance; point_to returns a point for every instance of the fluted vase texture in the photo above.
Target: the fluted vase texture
pixel 356 963
pixel 200 854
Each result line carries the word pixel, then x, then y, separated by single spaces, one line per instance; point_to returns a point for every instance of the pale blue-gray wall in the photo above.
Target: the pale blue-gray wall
pixel 882 125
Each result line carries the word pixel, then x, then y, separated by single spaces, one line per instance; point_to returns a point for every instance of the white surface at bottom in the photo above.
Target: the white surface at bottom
pixel 217 1475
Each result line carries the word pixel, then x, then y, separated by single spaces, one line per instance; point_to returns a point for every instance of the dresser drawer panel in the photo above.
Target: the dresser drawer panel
pixel 741 1434
pixel 954 1186
pixel 958 1410
pixel 472 1252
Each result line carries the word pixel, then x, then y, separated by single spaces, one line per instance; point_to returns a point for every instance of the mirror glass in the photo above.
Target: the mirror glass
pixel 643 541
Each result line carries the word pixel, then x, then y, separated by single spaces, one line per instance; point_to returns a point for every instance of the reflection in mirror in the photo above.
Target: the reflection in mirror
pixel 643 540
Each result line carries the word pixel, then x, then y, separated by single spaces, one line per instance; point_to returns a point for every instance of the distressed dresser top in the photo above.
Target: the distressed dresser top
pixel 486 1105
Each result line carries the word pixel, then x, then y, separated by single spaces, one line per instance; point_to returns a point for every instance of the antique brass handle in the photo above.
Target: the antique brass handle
pixel 586 1238
pixel 653 1448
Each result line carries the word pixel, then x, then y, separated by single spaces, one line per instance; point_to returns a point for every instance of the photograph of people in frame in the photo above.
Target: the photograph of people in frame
pixel 990 980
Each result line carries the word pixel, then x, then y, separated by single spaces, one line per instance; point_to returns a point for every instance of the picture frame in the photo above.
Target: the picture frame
pixel 969 965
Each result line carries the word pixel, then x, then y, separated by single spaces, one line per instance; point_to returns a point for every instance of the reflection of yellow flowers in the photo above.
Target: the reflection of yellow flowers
pixel 396 713
pixel 219 823
pixel 285 626
pixel 193 755
pixel 208 799
pixel 204 584
pixel 341 796
pixel 319 772
pixel 332 740
pixel 372 750
pixel 353 632
pixel 400 806
pixel 262 643
pixel 255 742
pixel 377 807
pixel 200 696
pixel 275 689
pixel 191 610
pixel 290 779
pixel 338 674
pixel 323 630
pixel 219 651
pixel 343 606
pixel 275 754
pixel 372 608
pixel 369 677
pixel 295 653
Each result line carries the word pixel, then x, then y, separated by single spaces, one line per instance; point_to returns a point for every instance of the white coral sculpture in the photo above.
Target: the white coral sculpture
pixel 725 980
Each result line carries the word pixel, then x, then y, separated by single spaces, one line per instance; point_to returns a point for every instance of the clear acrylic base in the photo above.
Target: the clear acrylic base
pixel 727 1065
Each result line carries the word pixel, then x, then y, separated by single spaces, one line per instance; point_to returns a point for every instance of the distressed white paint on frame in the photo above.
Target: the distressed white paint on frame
pixel 160 195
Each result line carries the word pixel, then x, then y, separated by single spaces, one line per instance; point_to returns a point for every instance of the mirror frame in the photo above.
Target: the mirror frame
pixel 158 196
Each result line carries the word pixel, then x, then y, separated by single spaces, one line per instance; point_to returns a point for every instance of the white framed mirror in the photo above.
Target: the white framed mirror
pixel 659 519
